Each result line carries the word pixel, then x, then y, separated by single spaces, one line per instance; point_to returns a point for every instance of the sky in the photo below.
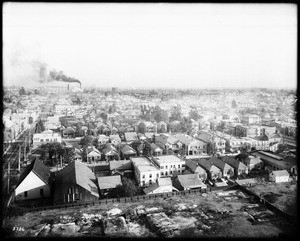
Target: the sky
pixel 158 45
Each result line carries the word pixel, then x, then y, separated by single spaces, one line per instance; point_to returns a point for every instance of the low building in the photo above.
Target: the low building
pixel 194 167
pixel 93 155
pixel 191 145
pixel 34 182
pixel 275 162
pixel 239 167
pixel 115 140
pixel 122 167
pixel 253 162
pixel 227 170
pixel 110 152
pixel 213 172
pixel 188 181
pixel 127 152
pixel 130 137
pixel 155 150
pixel 75 183
pixel 160 186
pixel 107 183
pixel 279 176
pixel 45 137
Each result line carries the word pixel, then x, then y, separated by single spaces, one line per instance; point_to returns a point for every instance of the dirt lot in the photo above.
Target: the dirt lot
pixel 217 214
pixel 282 195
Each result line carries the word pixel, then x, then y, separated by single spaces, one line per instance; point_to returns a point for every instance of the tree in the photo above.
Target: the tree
pixel 22 91
pixel 185 124
pixel 176 113
pixel 127 189
pixel 86 140
pixel 142 128
pixel 163 128
pixel 233 104
pixel 194 114
pixel 159 114
pixel 39 127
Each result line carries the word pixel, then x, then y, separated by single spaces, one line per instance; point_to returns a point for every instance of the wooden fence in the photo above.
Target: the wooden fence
pixel 126 199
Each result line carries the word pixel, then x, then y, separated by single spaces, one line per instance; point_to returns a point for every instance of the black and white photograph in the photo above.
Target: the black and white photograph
pixel 149 120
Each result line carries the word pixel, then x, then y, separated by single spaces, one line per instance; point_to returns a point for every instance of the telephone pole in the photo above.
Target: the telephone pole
pixel 8 177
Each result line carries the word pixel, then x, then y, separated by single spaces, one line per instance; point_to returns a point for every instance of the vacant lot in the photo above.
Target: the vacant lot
pixel 282 195
pixel 217 214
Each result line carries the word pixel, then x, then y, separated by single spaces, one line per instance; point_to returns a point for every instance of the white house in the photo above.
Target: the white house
pixel 45 137
pixel 279 176
pixel 168 164
pixel 34 182
pixel 145 171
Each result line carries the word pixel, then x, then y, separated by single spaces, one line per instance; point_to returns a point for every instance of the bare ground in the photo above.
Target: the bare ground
pixel 282 195
pixel 222 214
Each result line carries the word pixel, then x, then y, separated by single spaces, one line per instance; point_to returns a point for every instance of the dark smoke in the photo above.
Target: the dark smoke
pixel 59 76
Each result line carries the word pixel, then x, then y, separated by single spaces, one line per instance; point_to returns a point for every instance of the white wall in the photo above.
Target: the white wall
pixel 32 184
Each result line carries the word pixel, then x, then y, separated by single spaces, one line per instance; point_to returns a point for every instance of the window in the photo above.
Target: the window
pixel 25 194
pixel 143 176
pixel 162 173
pixel 150 175
pixel 166 173
pixel 41 140
pixel 162 167
pixel 47 139
pixel 143 183
pixel 42 192
pixel 166 167
pixel 170 172
pixel 157 175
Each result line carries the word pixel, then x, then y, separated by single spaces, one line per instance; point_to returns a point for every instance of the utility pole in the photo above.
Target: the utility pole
pixel 19 167
pixel 25 151
pixel 8 177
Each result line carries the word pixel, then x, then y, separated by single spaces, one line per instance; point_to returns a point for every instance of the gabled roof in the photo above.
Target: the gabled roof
pixel 217 162
pixel 192 165
pixel 190 181
pixel 107 182
pixel 109 148
pixel 233 162
pixel 78 173
pixel 90 149
pixel 39 169
pixel 126 149
pixel 154 147
pixel 205 163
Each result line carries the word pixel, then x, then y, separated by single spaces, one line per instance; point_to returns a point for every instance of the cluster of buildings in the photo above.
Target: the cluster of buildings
pixel 158 159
